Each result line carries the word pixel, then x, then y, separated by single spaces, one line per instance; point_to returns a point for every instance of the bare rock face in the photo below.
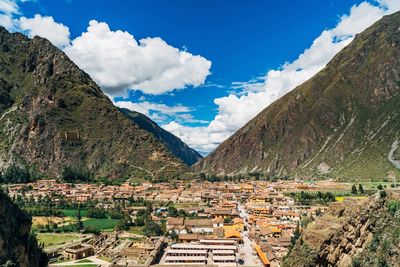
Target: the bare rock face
pixel 363 232
pixel 17 247
pixel 341 123
pixel 53 115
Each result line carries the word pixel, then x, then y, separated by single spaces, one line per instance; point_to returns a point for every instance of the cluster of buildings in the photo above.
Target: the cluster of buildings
pixel 249 223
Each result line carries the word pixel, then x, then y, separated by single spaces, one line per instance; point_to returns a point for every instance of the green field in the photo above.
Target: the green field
pixel 101 224
pixel 72 213
pixel 50 239
pixel 137 230
pixel 84 261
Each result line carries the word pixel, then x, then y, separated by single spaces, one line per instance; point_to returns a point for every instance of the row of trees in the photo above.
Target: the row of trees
pixel 15 174
pixel 354 189
pixel 306 198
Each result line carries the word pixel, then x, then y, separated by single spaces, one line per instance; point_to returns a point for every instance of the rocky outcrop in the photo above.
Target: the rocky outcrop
pixel 53 115
pixel 340 124
pixel 347 234
pixel 17 247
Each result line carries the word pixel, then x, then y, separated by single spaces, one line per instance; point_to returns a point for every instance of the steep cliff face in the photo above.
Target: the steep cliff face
pixel 53 115
pixel 340 123
pixel 363 233
pixel 17 246
pixel 177 147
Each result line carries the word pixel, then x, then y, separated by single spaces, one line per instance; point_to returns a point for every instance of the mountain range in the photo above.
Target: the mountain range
pixel 342 123
pixel 53 115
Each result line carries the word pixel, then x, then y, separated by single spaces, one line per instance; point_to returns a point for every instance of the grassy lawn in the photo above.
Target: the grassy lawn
pixel 101 224
pixel 373 185
pixel 105 258
pixel 72 213
pixel 84 261
pixel 137 230
pixel 53 239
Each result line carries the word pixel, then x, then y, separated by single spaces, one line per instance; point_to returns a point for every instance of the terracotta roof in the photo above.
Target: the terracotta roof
pixel 175 221
pixel 199 222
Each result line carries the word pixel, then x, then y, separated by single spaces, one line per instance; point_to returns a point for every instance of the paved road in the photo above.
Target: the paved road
pixel 246 249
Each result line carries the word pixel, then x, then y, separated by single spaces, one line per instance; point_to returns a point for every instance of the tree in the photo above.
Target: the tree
pixel 79 223
pixel 354 189
pixel 174 235
pixel 122 224
pixel 75 174
pixel 380 187
pixel 361 189
pixel 172 212
pixel 15 174
pixel 382 194
pixel 96 213
pixel 228 220
pixel 152 229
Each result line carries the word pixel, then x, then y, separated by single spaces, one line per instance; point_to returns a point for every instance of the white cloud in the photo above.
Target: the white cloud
pixel 161 113
pixel 43 26
pixel 8 9
pixel 238 108
pixel 46 27
pixel 117 62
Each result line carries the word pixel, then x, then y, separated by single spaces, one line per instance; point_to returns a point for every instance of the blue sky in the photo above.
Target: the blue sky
pixel 242 39
pixel 228 41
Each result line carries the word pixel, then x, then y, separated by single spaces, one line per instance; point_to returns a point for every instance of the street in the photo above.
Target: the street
pixel 246 249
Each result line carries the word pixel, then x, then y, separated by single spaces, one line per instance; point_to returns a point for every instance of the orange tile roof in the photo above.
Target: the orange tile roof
pixel 262 255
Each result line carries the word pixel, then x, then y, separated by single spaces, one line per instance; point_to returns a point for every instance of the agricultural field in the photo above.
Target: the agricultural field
pixel 100 224
pixel 73 213
pixel 55 239
pixel 342 198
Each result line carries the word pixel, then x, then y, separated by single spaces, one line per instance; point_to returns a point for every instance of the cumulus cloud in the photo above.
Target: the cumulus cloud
pixel 238 108
pixel 46 27
pixel 117 62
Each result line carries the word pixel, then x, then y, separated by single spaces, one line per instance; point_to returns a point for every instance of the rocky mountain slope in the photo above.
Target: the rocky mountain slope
pixel 53 115
pixel 173 143
pixel 17 247
pixel 343 122
pixel 363 233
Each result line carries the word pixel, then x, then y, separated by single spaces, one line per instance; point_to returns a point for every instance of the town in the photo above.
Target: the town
pixel 251 223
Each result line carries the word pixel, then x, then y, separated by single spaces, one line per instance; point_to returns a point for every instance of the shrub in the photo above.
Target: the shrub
pixel 96 213
pixel 15 174
pixel 74 174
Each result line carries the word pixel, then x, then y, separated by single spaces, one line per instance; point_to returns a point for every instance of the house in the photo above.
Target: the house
pixel 199 226
pixel 238 223
pixel 232 233
pixel 260 199
pixel 174 223
pixel 263 256
pixel 79 252
pixel 188 238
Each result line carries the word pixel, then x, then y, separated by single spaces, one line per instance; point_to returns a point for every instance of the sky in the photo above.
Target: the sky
pixel 201 68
